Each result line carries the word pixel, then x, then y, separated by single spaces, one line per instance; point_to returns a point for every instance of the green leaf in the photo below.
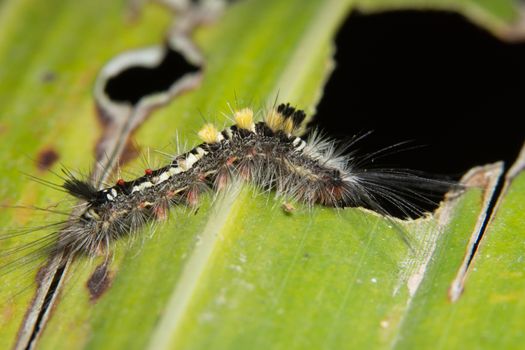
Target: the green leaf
pixel 50 55
pixel 489 313
pixel 499 16
pixel 240 272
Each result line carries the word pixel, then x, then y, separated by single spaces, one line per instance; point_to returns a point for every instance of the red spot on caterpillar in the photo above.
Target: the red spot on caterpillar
pixel 331 195
pixel 337 192
pixel 245 171
pixel 251 152
pixel 231 160
pixel 161 212
pixel 193 197
pixel 222 179
pixel 121 182
pixel 148 171
pixel 46 158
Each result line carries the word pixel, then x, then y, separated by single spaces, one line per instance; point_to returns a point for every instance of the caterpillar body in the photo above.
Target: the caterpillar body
pixel 268 154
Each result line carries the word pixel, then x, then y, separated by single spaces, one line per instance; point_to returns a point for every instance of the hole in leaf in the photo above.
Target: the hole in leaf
pixel 429 77
pixel 138 81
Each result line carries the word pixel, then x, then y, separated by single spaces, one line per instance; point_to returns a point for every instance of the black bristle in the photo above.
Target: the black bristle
pixel 298 117
pixel 80 189
pixel 285 109
pixel 288 111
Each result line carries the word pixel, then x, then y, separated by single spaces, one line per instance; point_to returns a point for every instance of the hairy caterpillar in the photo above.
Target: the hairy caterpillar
pixel 269 154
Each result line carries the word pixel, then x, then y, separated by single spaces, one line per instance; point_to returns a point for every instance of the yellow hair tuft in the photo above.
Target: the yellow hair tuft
pixel 244 119
pixel 288 125
pixel 209 133
pixel 274 120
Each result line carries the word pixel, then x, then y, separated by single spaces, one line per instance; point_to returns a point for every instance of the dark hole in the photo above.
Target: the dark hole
pixel 136 82
pixel 431 78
